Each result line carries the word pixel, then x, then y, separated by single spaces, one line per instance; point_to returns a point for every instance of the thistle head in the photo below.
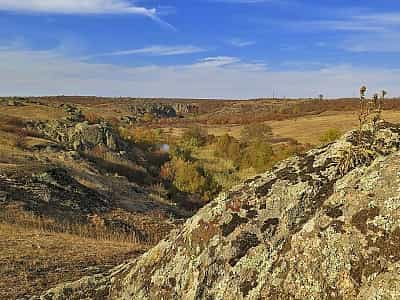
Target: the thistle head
pixel 363 90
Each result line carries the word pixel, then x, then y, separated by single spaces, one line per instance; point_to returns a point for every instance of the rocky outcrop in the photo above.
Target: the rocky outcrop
pixel 53 192
pixel 304 230
pixel 80 136
pixel 157 110
pixel 186 108
pixel 143 111
pixel 74 133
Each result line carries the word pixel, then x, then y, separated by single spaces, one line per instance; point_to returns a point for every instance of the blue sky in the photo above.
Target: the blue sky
pixel 199 48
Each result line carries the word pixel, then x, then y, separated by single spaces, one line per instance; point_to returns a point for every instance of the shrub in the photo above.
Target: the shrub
pixel 195 136
pixel 147 117
pixel 330 135
pixel 256 131
pixel 227 146
pixel 181 152
pixel 190 178
pixel 258 155
pixel 187 177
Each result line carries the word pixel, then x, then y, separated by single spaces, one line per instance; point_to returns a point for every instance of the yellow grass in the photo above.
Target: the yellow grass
pixel 308 129
pixel 33 111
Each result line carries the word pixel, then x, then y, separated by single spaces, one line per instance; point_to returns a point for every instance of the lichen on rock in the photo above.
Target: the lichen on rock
pixel 303 230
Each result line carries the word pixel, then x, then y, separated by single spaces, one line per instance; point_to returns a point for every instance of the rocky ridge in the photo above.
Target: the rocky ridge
pixel 304 230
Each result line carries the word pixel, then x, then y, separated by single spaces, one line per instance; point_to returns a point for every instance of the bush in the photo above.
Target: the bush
pixel 187 177
pixel 256 131
pixel 227 146
pixel 330 135
pixel 258 155
pixel 195 136
pixel 147 117
pixel 190 178
pixel 181 152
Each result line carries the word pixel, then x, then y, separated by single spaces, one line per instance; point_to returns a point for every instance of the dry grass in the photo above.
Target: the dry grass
pixel 95 229
pixel 38 112
pixel 38 253
pixel 305 129
pixel 32 260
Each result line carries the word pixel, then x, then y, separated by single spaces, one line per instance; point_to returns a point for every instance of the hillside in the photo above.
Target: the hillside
pixel 308 229
pixel 87 183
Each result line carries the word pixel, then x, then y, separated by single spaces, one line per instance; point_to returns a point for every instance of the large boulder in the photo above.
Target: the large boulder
pixel 80 135
pixel 85 136
pixel 308 229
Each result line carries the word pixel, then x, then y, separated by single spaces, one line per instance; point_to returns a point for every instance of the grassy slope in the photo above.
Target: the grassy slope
pixel 32 261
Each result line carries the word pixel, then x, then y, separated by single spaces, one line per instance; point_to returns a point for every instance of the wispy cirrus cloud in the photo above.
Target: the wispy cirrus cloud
pixel 81 7
pixel 382 18
pixel 236 42
pixel 75 7
pixel 217 61
pixel 229 62
pixel 361 33
pixel 352 25
pixel 156 50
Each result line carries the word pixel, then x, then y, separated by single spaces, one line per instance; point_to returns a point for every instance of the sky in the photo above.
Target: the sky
pixel 235 49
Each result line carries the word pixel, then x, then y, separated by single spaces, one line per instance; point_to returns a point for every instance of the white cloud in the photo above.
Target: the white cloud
pixel 156 50
pixel 81 7
pixel 217 61
pixel 383 18
pixel 75 7
pixel 241 43
pixel 26 72
pixel 360 33
pixel 386 42
pixel 338 25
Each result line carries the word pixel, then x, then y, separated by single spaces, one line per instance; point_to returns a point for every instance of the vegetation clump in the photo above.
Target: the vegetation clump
pixel 330 136
pixel 363 152
pixel 228 147
pixel 190 177
pixel 195 136
pixel 256 132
